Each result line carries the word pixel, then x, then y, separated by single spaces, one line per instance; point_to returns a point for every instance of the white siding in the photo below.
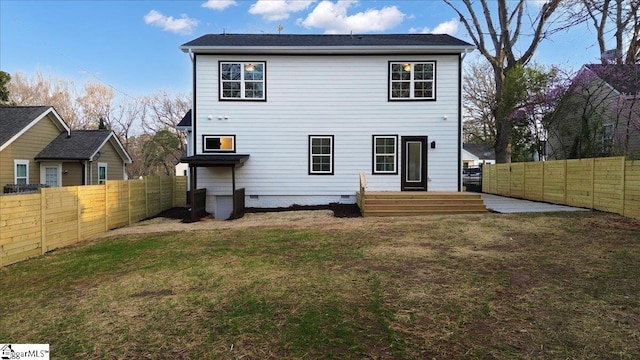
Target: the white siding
pixel 344 96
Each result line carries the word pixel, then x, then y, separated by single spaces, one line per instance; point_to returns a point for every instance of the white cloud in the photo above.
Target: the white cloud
pixel 219 4
pixel 184 25
pixel 448 27
pixel 333 18
pixel 274 10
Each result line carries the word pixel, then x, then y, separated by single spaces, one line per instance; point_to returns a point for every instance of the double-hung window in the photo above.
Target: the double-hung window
pixel 321 154
pixel 242 81
pixel 21 171
pixel 412 80
pixel 385 154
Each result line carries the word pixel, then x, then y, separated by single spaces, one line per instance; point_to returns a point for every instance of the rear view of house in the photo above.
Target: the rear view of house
pixel 37 147
pixel 294 119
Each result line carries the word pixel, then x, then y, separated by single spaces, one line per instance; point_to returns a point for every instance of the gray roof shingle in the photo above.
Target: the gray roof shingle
pixel 80 145
pixel 352 41
pixel 15 118
pixel 186 120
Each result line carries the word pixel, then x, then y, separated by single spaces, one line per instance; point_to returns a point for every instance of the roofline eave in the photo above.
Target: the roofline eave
pixel 329 50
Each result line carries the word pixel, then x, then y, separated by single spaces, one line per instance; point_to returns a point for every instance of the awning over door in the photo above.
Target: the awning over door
pixel 216 160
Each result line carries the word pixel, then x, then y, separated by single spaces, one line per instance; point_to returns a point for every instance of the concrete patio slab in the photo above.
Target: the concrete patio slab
pixel 502 204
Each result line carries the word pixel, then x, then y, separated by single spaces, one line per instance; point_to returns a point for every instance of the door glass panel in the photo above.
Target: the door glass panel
pixel 414 161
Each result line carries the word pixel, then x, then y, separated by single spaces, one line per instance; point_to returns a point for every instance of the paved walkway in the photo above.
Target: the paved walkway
pixel 503 204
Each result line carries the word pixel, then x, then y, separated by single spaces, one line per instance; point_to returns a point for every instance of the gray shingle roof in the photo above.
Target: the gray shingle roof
pixel 80 145
pixel 351 41
pixel 15 118
pixel 186 120
pixel 482 151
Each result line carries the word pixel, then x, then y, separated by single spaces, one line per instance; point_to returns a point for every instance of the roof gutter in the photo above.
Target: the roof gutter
pixel 337 50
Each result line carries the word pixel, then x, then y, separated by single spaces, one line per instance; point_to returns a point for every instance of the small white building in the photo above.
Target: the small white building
pixel 477 155
pixel 294 119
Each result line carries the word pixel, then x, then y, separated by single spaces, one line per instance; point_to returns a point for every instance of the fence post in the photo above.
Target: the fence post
pixel 106 207
pixel 78 208
pixel 624 183
pixel 146 197
pixel 593 182
pixel 564 198
pixel 129 199
pixel 43 206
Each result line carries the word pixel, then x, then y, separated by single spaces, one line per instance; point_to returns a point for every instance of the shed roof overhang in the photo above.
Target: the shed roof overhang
pixel 216 160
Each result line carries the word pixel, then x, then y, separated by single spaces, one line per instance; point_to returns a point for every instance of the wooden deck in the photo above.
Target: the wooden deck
pixel 408 203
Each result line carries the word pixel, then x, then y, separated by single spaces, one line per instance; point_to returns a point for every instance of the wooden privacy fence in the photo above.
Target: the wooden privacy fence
pixel 607 184
pixel 32 224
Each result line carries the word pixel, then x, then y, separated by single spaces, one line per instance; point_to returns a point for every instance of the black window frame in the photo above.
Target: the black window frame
pixel 210 151
pixel 374 154
pixel 311 155
pixel 243 81
pixel 412 80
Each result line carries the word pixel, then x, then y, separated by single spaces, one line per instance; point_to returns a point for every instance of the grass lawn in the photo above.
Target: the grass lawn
pixel 530 286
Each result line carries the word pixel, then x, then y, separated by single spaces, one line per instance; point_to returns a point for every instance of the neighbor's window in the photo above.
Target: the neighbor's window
pixel 412 80
pixel 102 173
pixel 242 80
pixel 218 143
pixel 607 138
pixel 385 154
pixel 21 171
pixel 321 154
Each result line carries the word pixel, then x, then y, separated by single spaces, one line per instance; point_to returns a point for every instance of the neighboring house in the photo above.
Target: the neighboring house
pixel 182 169
pixel 294 119
pixel 477 155
pixel 37 147
pixel 599 115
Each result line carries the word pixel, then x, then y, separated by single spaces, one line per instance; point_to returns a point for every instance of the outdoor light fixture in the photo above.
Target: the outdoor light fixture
pixel 433 144
pixel 445 117
pixel 249 67
pixel 406 67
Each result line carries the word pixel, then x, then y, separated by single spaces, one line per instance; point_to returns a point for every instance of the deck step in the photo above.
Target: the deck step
pixel 420 203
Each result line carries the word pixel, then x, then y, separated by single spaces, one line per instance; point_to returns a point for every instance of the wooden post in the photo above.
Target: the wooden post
pixel 593 182
pixel 43 208
pixel 129 198
pixel 106 207
pixel 564 200
pixel 146 197
pixel 624 183
pixel 79 209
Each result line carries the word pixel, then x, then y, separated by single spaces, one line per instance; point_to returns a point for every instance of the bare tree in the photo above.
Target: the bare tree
pixel 498 38
pixel 95 103
pixel 620 17
pixel 37 90
pixel 478 99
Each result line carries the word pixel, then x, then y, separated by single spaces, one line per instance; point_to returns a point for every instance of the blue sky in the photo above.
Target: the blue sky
pixel 132 46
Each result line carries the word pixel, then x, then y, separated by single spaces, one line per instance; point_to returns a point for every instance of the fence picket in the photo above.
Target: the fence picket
pixel 57 217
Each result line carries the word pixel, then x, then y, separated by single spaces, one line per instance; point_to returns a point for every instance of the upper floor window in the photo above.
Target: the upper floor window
pixel 242 81
pixel 412 80
pixel 21 171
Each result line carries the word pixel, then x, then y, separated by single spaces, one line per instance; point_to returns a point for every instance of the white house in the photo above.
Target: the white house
pixel 294 119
